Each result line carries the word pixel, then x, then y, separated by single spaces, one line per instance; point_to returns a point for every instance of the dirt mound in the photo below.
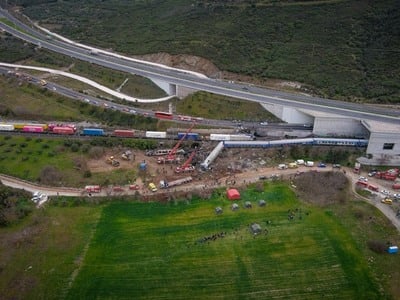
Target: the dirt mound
pixel 322 188
pixel 206 67
pixel 186 62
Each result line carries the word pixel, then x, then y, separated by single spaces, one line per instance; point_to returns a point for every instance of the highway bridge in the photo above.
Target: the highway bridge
pixel 186 81
pixel 329 117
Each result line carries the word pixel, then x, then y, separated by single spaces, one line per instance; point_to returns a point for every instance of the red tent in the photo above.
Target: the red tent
pixel 233 194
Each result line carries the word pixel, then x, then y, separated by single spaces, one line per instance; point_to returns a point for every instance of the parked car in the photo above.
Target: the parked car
pixel 387 201
pixel 152 187
pixel 134 187
pixel 321 165
pixel 338 166
pixel 362 178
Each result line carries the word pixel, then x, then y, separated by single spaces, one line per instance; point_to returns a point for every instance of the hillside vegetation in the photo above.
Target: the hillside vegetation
pixel 338 49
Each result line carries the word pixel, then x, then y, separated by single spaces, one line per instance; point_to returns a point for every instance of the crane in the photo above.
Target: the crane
pixel 186 167
pixel 171 157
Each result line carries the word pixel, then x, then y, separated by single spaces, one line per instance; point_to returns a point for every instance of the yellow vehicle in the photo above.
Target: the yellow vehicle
pixel 152 187
pixel 387 201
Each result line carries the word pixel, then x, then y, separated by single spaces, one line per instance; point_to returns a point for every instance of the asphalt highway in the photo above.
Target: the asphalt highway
pixel 182 78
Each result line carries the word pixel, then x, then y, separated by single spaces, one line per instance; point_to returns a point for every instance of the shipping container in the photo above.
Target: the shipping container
pixel 6 127
pixel 240 137
pixel 124 133
pixel 93 131
pixel 156 134
pixel 51 126
pixel 189 136
pixel 21 126
pixel 63 130
pixel 219 137
pixel 31 128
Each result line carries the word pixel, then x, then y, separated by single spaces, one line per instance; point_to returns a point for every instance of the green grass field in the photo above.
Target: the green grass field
pixel 27 158
pixel 82 249
pixel 157 251
pixel 39 255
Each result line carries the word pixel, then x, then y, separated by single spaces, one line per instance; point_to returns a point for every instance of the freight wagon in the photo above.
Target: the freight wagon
pixel 124 133
pixel 6 127
pixel 190 136
pixel 31 128
pixel 156 134
pixel 51 126
pixel 20 126
pixel 63 130
pixel 230 137
pixel 93 131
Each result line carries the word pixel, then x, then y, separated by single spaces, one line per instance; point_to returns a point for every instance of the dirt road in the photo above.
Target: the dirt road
pixel 237 180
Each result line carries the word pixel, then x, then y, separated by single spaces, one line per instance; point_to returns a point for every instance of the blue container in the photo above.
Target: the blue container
pixel 143 166
pixel 189 136
pixel 393 249
pixel 93 131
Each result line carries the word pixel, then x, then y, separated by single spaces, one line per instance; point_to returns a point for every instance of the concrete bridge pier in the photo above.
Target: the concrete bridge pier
pixel 173 89
pixel 288 114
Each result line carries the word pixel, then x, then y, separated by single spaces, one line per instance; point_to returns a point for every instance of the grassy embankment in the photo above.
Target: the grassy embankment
pixel 136 86
pixel 340 49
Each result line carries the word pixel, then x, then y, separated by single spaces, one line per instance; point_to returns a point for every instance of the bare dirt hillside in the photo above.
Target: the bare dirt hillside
pixel 204 66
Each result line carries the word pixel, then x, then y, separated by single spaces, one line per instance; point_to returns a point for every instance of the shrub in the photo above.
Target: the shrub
pixel 50 175
pixel 75 147
pixel 377 246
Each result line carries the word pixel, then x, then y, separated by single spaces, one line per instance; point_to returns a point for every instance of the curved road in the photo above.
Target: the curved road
pixel 182 78
pixel 242 178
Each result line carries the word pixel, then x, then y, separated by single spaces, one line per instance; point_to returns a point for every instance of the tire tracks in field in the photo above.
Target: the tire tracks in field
pixel 80 260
